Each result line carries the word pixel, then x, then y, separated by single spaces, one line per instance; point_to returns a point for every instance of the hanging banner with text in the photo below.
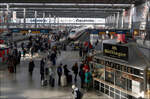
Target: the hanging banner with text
pixel 115 51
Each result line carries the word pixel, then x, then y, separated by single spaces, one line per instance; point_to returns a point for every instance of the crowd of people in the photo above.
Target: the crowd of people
pixel 49 68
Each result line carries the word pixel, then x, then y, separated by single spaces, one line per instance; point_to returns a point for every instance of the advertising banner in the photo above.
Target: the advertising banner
pixel 115 51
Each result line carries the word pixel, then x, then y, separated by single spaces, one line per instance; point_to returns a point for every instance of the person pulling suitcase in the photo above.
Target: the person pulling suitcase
pixel 51 77
pixel 63 80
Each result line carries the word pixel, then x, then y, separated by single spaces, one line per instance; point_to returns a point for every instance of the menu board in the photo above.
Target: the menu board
pixel 115 51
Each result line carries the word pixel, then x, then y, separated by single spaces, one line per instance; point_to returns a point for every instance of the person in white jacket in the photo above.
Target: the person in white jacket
pixel 76 92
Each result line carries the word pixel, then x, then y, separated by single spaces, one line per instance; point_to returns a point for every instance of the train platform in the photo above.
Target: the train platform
pixel 21 85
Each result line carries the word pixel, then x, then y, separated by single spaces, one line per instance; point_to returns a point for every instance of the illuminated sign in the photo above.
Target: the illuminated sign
pixel 79 20
pixel 115 51
pixel 35 32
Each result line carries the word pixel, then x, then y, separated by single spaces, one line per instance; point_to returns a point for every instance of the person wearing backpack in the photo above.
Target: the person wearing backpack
pixel 88 79
pixel 76 93
pixel 59 72
pixel 75 71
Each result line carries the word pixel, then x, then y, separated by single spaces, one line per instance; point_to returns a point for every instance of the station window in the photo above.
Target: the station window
pixel 106 86
pixel 117 96
pixel 112 94
pixel 125 69
pixel 136 72
pixel 96 85
pixel 129 85
pixel 112 89
pixel 128 69
pixel 123 98
pixel 107 91
pixel 109 77
pixel 123 94
pixel 102 85
pixel 119 80
pixel 102 89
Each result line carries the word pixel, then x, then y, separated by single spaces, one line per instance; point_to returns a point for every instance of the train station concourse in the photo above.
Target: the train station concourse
pixel 74 49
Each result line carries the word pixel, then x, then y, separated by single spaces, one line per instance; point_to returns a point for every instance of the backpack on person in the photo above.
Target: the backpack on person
pixel 52 81
pixel 46 71
pixel 79 94
pixel 44 82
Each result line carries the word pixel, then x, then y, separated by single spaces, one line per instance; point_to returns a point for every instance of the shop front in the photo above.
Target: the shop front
pixel 118 79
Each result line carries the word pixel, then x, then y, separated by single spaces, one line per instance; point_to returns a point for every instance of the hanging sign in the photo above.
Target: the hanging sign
pixel 115 51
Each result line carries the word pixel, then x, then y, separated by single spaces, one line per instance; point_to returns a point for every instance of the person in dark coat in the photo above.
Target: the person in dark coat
pixel 75 70
pixel 42 63
pixel 31 67
pixel 66 72
pixel 19 56
pixel 15 63
pixel 53 58
pixel 80 51
pixel 59 72
pixel 42 70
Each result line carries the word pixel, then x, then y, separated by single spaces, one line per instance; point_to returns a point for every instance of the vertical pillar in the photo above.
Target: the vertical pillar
pixel 131 16
pixel 49 20
pixel 35 16
pixel 24 18
pixel 7 17
pixel 114 20
pixel 122 18
pixel 117 20
pixel 44 19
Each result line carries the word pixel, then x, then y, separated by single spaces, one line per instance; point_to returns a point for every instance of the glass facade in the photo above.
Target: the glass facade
pixel 115 79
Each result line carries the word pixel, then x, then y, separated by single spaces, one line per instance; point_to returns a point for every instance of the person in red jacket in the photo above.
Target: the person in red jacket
pixel 86 67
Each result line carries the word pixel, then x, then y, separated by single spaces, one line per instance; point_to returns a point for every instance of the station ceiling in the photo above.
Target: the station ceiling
pixel 68 8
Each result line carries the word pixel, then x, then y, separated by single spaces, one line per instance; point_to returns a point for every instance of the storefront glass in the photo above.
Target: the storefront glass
pixel 109 75
pixel 119 80
pixel 99 71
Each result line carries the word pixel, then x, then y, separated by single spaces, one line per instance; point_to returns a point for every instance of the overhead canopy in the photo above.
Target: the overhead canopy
pixel 67 8
pixel 76 1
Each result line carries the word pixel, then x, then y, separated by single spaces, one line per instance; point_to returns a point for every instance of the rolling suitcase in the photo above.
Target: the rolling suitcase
pixel 63 81
pixel 51 81
pixel 44 82
pixel 69 78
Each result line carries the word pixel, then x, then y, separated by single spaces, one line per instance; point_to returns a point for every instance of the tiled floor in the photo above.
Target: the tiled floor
pixel 22 86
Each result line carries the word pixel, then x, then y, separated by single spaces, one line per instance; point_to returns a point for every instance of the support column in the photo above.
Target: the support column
pixel 122 19
pixel 114 20
pixel 7 17
pixel 117 20
pixel 35 16
pixel 131 16
pixel 44 19
pixel 24 18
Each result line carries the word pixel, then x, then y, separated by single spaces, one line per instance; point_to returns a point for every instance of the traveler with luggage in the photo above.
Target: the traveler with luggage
pixel 51 74
pixel 42 69
pixel 75 71
pixel 59 72
pixel 19 56
pixel 53 58
pixel 31 66
pixel 66 72
pixel 63 80
pixel 77 94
